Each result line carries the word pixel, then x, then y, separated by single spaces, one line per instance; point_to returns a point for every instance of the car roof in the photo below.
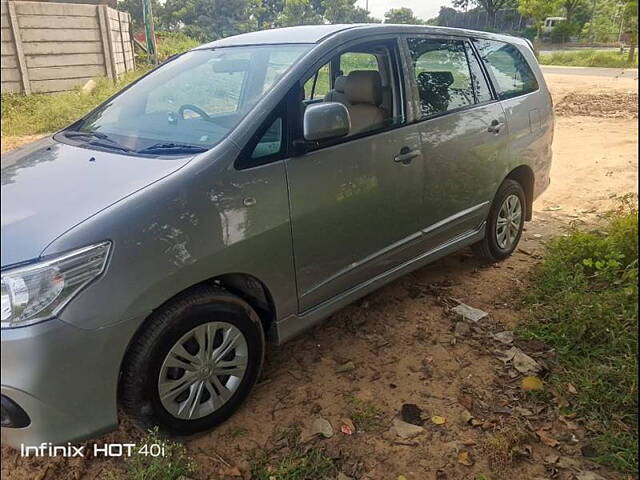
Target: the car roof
pixel 319 33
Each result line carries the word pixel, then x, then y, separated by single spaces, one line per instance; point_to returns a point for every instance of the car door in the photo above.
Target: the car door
pixel 355 202
pixel 463 132
pixel 526 103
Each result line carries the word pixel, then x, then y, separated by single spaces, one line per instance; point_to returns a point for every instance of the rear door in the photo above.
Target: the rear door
pixel 463 134
pixel 526 102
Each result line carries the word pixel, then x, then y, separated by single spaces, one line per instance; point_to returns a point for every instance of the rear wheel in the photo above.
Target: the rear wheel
pixel 194 363
pixel 504 223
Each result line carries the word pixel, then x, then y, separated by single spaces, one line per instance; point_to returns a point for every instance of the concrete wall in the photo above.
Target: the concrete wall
pixel 52 47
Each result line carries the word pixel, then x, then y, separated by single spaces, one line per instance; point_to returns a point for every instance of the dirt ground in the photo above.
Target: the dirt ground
pixel 402 345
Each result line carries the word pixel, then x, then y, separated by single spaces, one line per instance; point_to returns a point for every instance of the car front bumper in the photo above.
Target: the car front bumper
pixel 64 379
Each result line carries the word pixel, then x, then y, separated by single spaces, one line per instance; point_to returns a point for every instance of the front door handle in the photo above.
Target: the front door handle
pixel 406 155
pixel 495 126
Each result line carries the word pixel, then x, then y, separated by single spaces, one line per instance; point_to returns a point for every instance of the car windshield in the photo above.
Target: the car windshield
pixel 187 105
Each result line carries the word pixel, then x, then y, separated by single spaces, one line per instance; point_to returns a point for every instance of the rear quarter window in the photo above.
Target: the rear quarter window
pixel 511 71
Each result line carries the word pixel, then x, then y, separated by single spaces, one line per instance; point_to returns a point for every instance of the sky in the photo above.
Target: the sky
pixel 424 9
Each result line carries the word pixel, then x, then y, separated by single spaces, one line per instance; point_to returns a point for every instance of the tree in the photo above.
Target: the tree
pixel 631 20
pixel 345 11
pixel 446 16
pixel 604 20
pixel 490 6
pixel 299 12
pixel 538 10
pixel 208 20
pixel 134 8
pixel 266 12
pixel 571 7
pixel 401 15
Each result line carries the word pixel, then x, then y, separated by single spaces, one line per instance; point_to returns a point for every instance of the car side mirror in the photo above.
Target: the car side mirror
pixel 326 120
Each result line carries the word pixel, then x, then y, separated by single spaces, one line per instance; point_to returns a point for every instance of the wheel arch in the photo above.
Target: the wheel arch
pixel 523 174
pixel 245 286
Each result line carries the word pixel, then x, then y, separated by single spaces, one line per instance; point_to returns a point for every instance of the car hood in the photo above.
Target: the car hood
pixel 49 187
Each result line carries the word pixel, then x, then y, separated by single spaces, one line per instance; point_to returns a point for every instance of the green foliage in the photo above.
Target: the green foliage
pixel 172 464
pixel 292 460
pixel 489 6
pixel 134 7
pixel 402 15
pixel 365 415
pixel 171 43
pixel 208 20
pixel 538 9
pixel 44 113
pixel 564 31
pixel 345 11
pixel 605 24
pixel 299 12
pixel 589 58
pixel 583 303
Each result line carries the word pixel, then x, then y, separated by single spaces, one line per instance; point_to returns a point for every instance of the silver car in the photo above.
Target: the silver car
pixel 241 193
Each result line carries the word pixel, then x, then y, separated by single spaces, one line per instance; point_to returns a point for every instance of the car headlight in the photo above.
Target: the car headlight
pixel 39 291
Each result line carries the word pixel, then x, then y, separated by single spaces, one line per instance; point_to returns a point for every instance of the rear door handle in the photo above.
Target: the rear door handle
pixel 495 126
pixel 406 155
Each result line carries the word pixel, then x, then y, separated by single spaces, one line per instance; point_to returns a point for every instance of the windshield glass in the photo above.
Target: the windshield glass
pixel 189 104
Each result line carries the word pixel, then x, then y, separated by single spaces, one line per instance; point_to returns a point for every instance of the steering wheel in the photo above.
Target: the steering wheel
pixel 193 108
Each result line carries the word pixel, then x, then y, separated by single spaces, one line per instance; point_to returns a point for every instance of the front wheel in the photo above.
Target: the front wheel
pixel 194 363
pixel 504 223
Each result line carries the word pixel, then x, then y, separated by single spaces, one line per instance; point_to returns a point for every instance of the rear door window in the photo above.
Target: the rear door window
pixel 513 75
pixel 442 75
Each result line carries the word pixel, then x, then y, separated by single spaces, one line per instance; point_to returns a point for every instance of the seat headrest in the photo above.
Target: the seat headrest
pixel 339 83
pixel 364 86
pixel 435 79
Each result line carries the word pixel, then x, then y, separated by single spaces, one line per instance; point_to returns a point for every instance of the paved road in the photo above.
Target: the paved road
pixel 547 51
pixel 592 71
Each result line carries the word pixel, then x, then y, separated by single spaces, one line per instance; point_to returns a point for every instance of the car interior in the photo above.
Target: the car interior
pixel 362 80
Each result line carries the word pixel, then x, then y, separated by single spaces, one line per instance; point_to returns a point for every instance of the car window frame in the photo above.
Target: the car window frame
pixel 244 159
pixel 496 85
pixel 413 79
pixel 333 57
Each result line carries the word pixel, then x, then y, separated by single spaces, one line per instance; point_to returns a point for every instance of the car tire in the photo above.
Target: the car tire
pixel 193 363
pixel 497 243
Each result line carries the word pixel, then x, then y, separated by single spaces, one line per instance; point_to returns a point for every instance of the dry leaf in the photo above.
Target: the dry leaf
pixel 532 383
pixel 464 458
pixel 572 390
pixel 547 439
pixel 466 416
pixel 521 361
pixel 438 420
pixel 347 427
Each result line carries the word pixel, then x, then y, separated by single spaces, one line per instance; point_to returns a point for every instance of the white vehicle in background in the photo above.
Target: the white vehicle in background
pixel 550 23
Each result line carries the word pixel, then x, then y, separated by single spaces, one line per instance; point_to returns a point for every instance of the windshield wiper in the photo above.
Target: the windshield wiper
pixel 171 147
pixel 103 140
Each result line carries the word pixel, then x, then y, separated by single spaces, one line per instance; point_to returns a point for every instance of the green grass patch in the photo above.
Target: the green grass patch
pixel 172 463
pixel 170 43
pixel 293 460
pixel 365 415
pixel 589 58
pixel 583 302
